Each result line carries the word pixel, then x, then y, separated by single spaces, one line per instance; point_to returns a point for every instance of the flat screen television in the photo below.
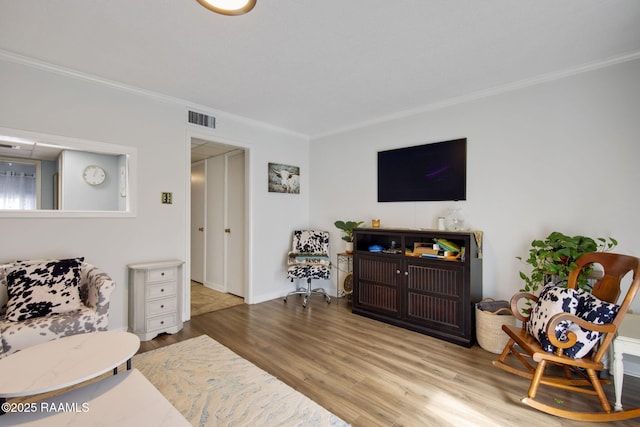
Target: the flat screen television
pixel 429 172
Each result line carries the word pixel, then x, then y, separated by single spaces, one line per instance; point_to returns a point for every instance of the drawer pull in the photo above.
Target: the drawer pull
pixel 162 274
pixel 162 306
pixel 162 290
pixel 162 322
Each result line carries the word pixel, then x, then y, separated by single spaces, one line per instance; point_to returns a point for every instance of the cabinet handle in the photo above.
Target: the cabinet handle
pixel 162 290
pixel 162 274
pixel 406 273
pixel 162 322
pixel 398 271
pixel 162 306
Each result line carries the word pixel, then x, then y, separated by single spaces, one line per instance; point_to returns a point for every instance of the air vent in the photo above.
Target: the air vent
pixel 202 119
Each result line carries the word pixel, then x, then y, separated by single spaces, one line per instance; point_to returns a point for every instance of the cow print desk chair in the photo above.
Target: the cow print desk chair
pixel 309 259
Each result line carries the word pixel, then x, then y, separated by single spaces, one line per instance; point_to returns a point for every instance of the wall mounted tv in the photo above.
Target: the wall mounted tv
pixel 429 172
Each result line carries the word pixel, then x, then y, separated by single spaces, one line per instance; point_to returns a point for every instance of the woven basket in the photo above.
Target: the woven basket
pixel 489 331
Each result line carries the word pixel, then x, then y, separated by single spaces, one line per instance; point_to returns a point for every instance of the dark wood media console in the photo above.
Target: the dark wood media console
pixel 433 296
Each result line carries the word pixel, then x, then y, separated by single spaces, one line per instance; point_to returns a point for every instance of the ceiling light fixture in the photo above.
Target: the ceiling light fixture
pixel 229 7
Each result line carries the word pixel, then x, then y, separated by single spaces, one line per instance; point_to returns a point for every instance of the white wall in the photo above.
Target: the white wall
pixel 40 100
pixel 77 194
pixel 556 156
pixel 561 155
pixel 271 216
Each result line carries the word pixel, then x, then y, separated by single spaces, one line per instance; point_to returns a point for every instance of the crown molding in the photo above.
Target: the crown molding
pixel 68 72
pixel 544 78
pixel 497 90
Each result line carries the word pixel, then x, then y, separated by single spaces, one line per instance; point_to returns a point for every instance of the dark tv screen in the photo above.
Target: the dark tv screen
pixel 429 172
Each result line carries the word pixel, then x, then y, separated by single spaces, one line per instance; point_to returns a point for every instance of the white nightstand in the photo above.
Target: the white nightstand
pixel 155 303
pixel 627 341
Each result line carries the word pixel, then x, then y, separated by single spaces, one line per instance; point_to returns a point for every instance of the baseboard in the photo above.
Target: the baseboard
pixel 215 286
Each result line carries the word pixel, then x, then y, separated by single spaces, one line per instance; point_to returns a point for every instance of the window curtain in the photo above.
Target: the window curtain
pixel 17 190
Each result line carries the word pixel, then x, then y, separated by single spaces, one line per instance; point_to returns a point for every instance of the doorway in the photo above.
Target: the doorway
pixel 218 226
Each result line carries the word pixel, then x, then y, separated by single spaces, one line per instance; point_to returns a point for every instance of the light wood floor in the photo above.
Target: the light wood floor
pixel 373 374
pixel 205 300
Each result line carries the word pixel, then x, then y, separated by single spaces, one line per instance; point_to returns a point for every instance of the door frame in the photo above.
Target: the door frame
pixel 203 164
pixel 203 134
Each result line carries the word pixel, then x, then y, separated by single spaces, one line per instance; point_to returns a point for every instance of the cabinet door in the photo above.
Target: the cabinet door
pixel 436 298
pixel 377 281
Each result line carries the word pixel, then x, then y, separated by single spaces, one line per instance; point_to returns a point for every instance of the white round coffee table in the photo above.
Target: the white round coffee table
pixel 65 362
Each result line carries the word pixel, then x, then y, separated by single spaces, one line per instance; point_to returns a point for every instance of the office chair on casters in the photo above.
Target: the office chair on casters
pixel 309 259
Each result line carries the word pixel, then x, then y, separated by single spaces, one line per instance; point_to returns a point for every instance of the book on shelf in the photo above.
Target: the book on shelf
pixel 447 245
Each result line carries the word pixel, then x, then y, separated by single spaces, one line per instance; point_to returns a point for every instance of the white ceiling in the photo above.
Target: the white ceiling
pixel 316 67
pixel 201 149
pixel 10 146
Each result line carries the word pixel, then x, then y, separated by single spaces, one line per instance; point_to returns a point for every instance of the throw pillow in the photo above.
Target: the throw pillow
pixel 594 310
pixel 551 301
pixel 43 288
pixel 556 299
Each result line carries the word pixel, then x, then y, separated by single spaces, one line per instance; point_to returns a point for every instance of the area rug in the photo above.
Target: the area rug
pixel 213 386
pixel 205 300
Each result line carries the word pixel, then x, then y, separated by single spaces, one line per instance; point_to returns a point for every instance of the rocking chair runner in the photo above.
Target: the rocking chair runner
pixel 527 349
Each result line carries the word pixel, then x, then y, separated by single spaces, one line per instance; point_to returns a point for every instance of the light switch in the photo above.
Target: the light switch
pixel 167 198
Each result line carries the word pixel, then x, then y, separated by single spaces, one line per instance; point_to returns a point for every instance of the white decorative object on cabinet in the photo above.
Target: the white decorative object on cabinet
pixel 155 303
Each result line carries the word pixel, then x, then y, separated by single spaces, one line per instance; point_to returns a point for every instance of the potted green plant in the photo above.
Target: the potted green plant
pixel 347 227
pixel 553 258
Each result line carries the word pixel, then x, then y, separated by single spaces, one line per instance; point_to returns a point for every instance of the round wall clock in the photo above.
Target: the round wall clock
pixel 94 175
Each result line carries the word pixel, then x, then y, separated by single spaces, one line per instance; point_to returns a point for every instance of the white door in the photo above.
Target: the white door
pixel 214 234
pixel 234 231
pixel 197 221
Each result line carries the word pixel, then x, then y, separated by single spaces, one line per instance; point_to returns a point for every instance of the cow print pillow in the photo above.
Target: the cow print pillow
pixel 556 299
pixel 43 288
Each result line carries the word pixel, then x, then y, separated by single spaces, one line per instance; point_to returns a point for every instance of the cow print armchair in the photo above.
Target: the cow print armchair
pixel 47 299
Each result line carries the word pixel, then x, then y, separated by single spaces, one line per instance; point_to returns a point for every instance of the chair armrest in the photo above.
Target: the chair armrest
pixel 571 337
pixel 516 310
pixel 95 288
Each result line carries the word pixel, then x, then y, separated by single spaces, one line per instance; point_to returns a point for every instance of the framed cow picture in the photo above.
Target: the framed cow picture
pixel 284 178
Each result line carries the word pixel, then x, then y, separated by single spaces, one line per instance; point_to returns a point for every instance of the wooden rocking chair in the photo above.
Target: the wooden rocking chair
pixel 580 374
